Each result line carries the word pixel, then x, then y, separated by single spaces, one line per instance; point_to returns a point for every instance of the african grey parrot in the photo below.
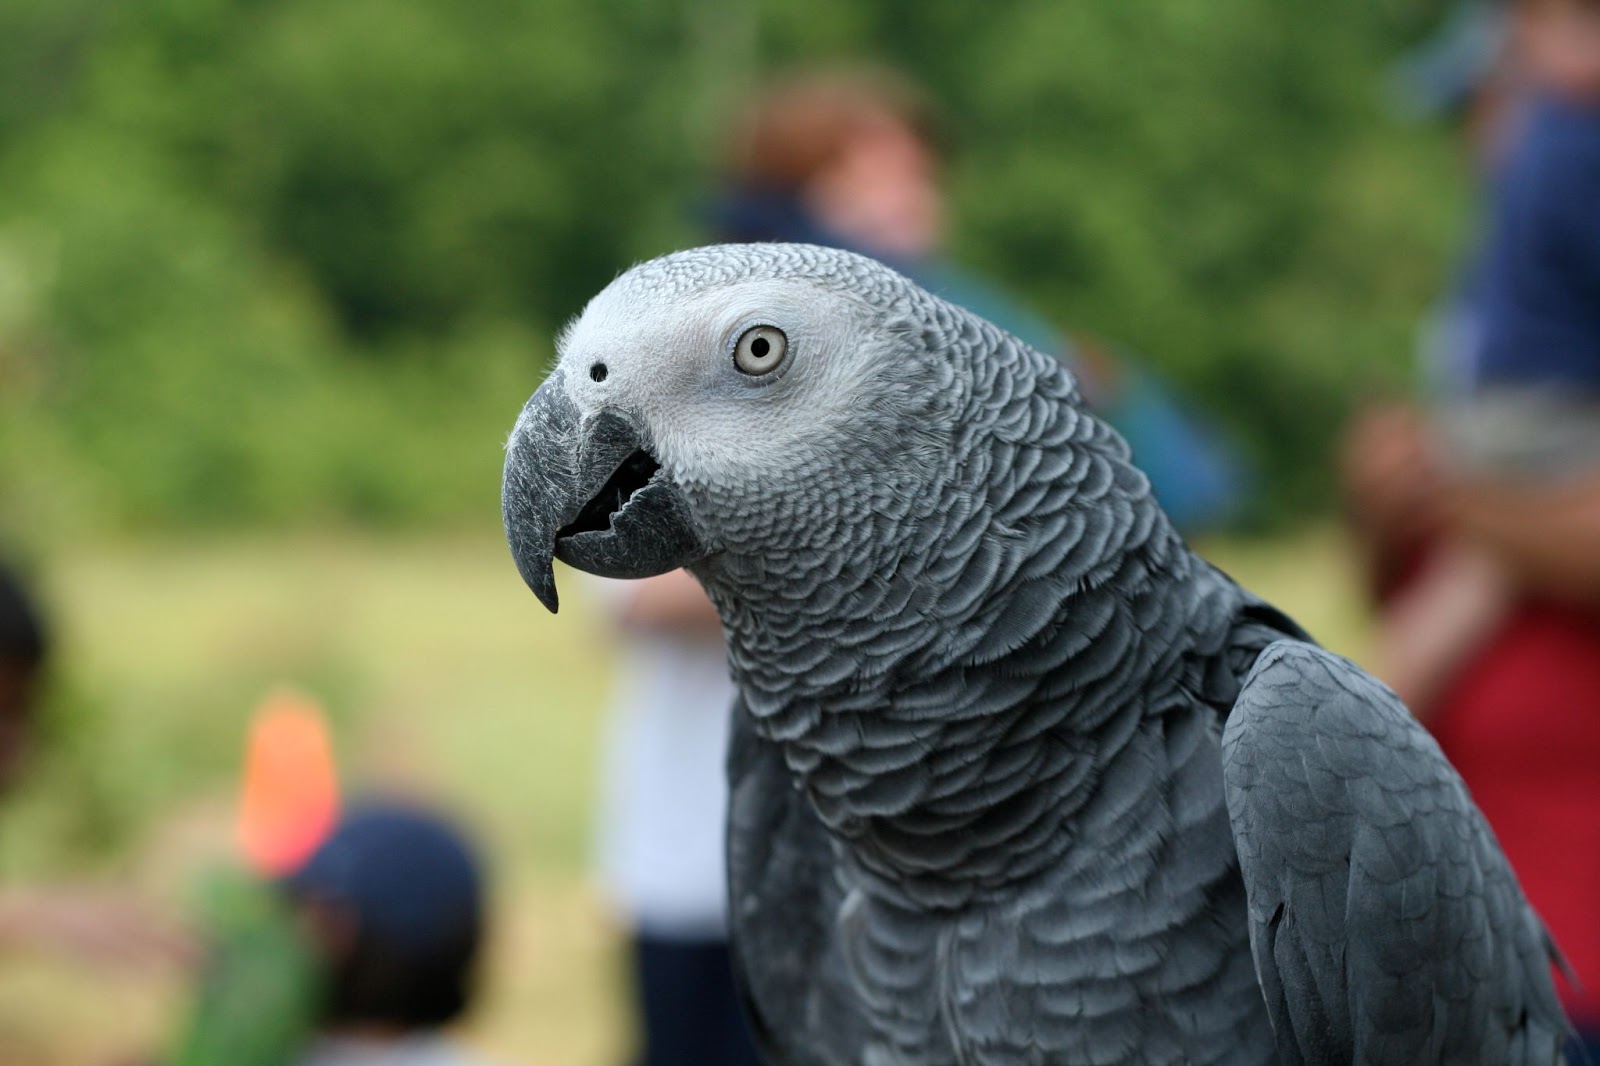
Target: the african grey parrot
pixel 1015 776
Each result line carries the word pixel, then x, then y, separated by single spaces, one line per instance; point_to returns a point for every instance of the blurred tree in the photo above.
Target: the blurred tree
pixel 296 261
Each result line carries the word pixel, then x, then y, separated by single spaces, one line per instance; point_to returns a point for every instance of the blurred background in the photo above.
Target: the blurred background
pixel 276 277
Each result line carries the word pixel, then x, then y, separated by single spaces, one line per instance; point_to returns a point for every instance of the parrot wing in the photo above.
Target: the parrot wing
pixel 1385 922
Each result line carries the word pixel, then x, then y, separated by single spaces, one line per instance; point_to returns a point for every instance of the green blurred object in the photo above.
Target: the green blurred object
pixel 257 998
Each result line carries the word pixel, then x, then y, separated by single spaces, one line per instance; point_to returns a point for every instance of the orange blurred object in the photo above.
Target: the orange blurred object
pixel 290 795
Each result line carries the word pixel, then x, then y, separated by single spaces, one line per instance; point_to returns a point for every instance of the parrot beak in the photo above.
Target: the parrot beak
pixel 585 491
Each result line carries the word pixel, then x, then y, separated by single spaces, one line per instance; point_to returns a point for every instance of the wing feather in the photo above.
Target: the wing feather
pixel 1385 923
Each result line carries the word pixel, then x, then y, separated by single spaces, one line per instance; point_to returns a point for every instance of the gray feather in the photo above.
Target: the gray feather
pixel 1384 920
pixel 1014 780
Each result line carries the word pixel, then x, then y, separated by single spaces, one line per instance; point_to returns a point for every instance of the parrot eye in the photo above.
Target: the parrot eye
pixel 760 350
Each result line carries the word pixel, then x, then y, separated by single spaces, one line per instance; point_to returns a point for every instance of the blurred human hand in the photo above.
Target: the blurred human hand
pixel 1544 535
pixel 96 926
pixel 1432 627
pixel 1391 475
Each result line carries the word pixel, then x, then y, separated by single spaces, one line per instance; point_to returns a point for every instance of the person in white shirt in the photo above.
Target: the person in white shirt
pixel 662 810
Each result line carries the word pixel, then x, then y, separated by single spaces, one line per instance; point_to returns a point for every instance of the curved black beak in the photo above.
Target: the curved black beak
pixel 588 493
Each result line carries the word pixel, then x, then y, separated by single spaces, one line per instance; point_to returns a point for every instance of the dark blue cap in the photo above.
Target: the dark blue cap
pixel 409 877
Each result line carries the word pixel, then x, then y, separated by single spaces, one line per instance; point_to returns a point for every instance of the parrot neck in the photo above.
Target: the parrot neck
pixel 952 705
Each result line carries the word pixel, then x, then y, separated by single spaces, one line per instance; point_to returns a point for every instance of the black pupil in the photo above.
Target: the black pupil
pixel 760 347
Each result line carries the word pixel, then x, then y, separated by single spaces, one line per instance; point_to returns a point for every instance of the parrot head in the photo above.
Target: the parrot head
pixel 736 400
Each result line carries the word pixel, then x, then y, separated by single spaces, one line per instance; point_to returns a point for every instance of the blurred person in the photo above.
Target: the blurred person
pixel 1481 513
pixel 662 810
pixel 851 158
pixel 393 901
pixel 24 644
pixel 363 956
pixel 1512 363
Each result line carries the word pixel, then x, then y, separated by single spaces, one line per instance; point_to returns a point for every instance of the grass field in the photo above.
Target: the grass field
pixel 440 674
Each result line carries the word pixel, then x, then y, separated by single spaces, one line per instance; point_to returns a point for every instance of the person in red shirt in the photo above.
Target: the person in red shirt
pixel 1481 516
pixel 1518 709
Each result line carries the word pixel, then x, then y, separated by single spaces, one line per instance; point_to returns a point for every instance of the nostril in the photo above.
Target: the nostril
pixel 598 372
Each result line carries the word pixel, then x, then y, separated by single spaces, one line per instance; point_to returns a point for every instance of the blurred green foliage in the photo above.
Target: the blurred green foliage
pixel 299 262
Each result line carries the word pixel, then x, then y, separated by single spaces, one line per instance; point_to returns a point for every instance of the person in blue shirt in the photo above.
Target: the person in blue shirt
pixel 1538 281
pixel 1481 511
